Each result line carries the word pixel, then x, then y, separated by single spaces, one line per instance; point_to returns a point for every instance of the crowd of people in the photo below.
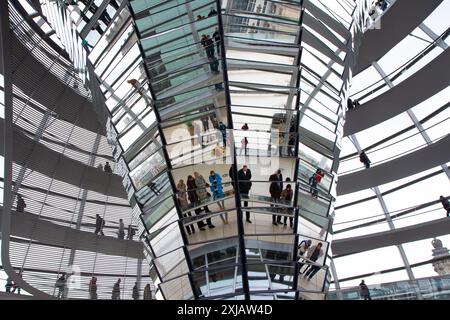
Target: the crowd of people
pixel 313 253
pixel 212 12
pixel 61 285
pixel 351 104
pixel 281 192
pixel 195 191
pixel 99 221
pixel 10 284
pixel 207 43
pixel 106 168
pixel 135 295
pixel 100 224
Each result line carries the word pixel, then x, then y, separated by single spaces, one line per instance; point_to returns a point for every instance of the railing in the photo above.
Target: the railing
pixel 369 90
pixel 399 152
pixel 432 288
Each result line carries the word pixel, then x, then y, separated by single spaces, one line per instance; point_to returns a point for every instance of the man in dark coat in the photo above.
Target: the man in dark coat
pixel 21 205
pixel 99 224
pixel 364 291
pixel 245 184
pixel 276 187
pixel 230 173
pixel 217 38
pixel 364 159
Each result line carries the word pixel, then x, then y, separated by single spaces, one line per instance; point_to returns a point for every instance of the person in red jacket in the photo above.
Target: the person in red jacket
pixel 319 175
pixel 314 181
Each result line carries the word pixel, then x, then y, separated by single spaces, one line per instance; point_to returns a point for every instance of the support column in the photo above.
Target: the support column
pixel 441 43
pixel 336 280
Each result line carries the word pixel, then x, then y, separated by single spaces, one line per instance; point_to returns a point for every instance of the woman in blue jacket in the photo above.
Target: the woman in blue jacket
pixel 216 188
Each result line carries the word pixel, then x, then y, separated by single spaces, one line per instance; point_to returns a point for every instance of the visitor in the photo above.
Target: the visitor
pixel 61 285
pixel 208 45
pixel 8 285
pixel 382 4
pixel 99 224
pixel 230 174
pixel 121 232
pixel 212 12
pixel 21 205
pixel 245 184
pixel 319 175
pixel 198 138
pixel 147 292
pixel 314 181
pixel 364 291
pixel 130 232
pixel 446 204
pixel 223 130
pixel 217 38
pixel 291 145
pixel 107 168
pixel 276 187
pixel 193 198
pixel 302 249
pixel 216 188
pixel 213 64
pixel 135 294
pixel 314 253
pixel 140 89
pixel 205 123
pixel 85 44
pixel 244 143
pixel 213 119
pixel 313 185
pixel 287 195
pixel 364 159
pixel 93 288
pixel 15 286
pixel 182 200
pixel 115 294
pixel 350 104
pixel 202 194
